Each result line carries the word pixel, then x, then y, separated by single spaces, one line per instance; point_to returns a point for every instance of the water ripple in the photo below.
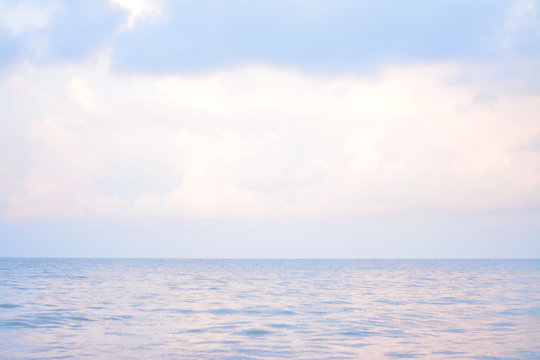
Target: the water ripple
pixel 269 309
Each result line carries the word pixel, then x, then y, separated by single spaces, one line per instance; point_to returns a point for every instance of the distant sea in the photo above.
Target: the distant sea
pixel 269 309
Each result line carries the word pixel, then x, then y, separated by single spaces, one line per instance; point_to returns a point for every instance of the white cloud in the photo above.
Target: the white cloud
pixel 20 16
pixel 138 9
pixel 80 91
pixel 261 141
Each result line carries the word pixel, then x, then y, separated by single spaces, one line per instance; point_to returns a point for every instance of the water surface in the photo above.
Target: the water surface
pixel 269 309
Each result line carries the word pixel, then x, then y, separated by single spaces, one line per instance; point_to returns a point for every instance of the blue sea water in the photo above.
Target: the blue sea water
pixel 269 309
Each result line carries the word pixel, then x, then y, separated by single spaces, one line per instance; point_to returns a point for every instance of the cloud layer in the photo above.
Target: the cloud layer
pixel 80 141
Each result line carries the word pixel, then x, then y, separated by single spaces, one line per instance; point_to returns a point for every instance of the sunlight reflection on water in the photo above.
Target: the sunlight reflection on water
pixel 254 309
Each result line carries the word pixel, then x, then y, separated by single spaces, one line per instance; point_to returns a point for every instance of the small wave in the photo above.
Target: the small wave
pixel 282 326
pixel 47 320
pixel 353 333
pixel 174 311
pixel 285 312
pixel 318 312
pixel 224 311
pixel 455 331
pixel 118 317
pixel 80 318
pixel 390 302
pixel 448 352
pixel 349 309
pixel 358 345
pixel 503 324
pixel 255 332
pixel 9 306
pixel 182 311
pixel 227 311
pixel 394 333
pixel 453 300
pixel 18 324
pixel 337 302
pixel 196 330
pixel 401 355
pixel 534 311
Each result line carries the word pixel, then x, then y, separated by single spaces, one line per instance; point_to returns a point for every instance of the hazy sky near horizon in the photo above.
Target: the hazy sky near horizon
pixel 270 128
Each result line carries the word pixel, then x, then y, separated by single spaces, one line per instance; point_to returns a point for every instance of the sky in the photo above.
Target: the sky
pixel 270 129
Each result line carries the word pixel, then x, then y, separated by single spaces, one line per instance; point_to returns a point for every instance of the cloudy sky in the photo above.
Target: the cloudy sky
pixel 293 128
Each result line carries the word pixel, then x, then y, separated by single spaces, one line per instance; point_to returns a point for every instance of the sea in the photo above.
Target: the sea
pixel 269 309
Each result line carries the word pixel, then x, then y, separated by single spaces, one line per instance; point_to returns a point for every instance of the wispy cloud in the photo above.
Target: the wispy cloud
pixel 138 10
pixel 18 17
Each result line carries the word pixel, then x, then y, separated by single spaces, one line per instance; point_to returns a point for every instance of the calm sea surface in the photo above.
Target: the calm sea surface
pixel 269 309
